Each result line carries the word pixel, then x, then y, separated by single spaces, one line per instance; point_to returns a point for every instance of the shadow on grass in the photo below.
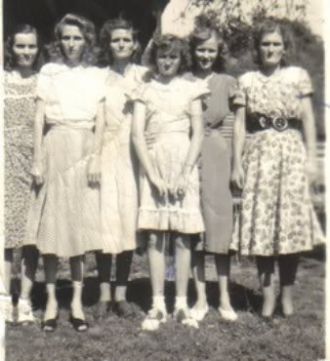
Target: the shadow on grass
pixel 139 292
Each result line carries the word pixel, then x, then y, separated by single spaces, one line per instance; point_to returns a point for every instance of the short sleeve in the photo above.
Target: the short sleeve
pixel 43 83
pixel 232 87
pixel 305 86
pixel 138 94
pixel 200 89
pixel 239 92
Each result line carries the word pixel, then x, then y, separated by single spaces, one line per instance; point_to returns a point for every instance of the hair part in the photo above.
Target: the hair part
pixel 9 56
pixel 86 27
pixel 105 56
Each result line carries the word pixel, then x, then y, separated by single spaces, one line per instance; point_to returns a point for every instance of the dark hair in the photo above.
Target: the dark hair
pixel 105 56
pixel 9 56
pixel 169 43
pixel 206 26
pixel 87 28
pixel 268 26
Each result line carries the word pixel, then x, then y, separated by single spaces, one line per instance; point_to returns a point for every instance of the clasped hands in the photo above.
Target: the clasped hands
pixel 176 189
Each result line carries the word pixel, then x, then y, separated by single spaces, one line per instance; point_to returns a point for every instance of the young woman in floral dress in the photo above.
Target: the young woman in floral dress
pixel 20 80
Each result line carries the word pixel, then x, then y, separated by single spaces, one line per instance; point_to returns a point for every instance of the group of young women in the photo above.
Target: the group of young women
pixel 104 155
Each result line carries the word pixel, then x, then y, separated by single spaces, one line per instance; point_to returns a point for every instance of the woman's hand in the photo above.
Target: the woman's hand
pixel 37 173
pixel 237 176
pixel 150 139
pixel 159 184
pixel 94 170
pixel 180 187
pixel 311 170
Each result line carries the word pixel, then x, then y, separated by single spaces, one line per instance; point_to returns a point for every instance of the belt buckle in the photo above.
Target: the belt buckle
pixel 280 123
pixel 262 122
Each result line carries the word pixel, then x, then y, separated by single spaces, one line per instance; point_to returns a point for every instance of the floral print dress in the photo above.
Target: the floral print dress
pixel 19 111
pixel 276 216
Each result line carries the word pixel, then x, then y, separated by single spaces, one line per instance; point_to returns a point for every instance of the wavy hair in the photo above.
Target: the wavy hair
pixel 268 26
pixel 169 43
pixel 9 56
pixel 105 56
pixel 87 28
pixel 205 27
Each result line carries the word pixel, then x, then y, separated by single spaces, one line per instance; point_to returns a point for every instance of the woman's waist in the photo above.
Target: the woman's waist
pixel 69 124
pixel 257 122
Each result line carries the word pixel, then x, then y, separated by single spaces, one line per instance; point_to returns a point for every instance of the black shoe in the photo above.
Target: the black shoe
pixel 49 325
pixel 101 310
pixel 79 324
pixel 124 309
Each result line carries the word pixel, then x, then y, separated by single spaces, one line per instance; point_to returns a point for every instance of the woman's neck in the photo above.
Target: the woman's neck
pixel 165 79
pixel 24 72
pixel 200 73
pixel 270 70
pixel 120 66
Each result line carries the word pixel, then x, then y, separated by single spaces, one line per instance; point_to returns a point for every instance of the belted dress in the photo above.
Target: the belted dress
pixel 63 217
pixel 277 215
pixel 168 112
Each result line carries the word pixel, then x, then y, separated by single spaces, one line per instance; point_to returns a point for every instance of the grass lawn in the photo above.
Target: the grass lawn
pixel 299 338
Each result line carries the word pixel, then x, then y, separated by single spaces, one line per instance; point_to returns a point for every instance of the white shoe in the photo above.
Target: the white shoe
pixel 230 315
pixel 7 308
pixel 199 313
pixel 153 320
pixel 182 315
pixel 24 312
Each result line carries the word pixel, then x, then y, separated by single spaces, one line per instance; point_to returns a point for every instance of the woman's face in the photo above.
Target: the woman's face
pixel 72 43
pixel 168 63
pixel 122 44
pixel 206 53
pixel 25 49
pixel 271 49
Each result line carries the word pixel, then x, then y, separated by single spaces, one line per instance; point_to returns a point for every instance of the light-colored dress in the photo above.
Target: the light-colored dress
pixel 277 215
pixel 119 198
pixel 215 165
pixel 19 111
pixel 63 219
pixel 168 109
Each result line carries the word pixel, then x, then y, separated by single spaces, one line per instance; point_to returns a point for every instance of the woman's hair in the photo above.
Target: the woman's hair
pixel 269 26
pixel 87 28
pixel 105 56
pixel 168 43
pixel 9 56
pixel 205 27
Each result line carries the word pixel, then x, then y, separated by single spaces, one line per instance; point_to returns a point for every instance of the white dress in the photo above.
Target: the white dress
pixel 63 214
pixel 119 199
pixel 168 109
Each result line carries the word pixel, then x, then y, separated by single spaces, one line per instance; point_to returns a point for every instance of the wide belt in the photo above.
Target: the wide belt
pixel 257 122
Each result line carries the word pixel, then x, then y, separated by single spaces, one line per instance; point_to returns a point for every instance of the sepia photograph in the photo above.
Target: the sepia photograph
pixel 163 180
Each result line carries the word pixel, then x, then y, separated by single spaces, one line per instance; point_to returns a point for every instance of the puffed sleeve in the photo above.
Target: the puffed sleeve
pixel 305 86
pixel 239 92
pixel 232 87
pixel 138 94
pixel 43 82
pixel 100 77
pixel 199 89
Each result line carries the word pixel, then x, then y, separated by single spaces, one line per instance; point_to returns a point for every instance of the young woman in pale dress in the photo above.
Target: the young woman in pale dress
pixel 20 80
pixel 215 165
pixel 274 167
pixel 168 107
pixel 118 163
pixel 62 220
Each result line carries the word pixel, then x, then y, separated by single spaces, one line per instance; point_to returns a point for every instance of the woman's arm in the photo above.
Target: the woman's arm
pixel 37 166
pixel 310 136
pixel 138 127
pixel 94 167
pixel 194 148
pixel 239 133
